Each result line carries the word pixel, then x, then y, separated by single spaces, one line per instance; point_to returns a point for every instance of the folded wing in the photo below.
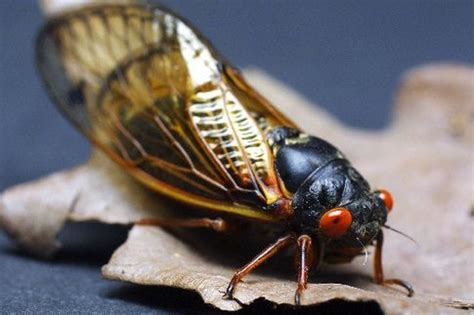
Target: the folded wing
pixel 148 90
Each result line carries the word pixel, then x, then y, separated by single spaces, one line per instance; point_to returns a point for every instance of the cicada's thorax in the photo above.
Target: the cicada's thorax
pixel 318 177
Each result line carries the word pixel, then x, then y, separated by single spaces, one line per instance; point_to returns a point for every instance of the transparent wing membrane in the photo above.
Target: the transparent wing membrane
pixel 148 90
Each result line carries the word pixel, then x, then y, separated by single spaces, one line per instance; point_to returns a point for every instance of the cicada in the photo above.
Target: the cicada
pixel 153 94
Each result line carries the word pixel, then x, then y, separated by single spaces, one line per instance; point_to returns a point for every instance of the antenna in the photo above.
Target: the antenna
pixel 401 233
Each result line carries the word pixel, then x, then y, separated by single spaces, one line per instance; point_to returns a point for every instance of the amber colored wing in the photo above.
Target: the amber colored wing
pixel 148 90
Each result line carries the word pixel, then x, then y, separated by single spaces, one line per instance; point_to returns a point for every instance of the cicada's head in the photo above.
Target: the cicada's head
pixel 330 199
pixel 357 222
pixel 336 206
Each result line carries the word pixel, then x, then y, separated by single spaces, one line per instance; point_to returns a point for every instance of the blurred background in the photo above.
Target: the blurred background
pixel 346 56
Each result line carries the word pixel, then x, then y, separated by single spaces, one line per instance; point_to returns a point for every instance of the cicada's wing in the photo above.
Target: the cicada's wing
pixel 150 92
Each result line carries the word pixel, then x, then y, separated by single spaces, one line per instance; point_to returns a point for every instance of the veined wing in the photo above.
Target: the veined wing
pixel 144 87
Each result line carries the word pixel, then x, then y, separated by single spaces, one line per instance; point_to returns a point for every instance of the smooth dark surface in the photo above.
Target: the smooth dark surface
pixel 346 55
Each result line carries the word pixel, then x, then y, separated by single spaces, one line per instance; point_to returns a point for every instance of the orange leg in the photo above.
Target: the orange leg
pixel 378 269
pixel 304 262
pixel 218 224
pixel 257 261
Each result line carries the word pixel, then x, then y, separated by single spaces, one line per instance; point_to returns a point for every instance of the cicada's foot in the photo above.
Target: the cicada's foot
pixel 378 269
pixel 229 292
pixel 401 283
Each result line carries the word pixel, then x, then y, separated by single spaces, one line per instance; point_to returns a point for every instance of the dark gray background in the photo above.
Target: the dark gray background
pixel 345 55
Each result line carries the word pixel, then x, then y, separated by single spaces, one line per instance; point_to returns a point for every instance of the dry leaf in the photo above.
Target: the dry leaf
pixel 34 213
pixel 424 158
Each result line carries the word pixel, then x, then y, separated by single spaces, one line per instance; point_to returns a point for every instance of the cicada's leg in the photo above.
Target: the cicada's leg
pixel 304 261
pixel 257 261
pixel 218 224
pixel 378 269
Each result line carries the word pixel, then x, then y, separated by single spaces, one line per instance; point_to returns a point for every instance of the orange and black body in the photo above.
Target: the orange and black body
pixel 147 89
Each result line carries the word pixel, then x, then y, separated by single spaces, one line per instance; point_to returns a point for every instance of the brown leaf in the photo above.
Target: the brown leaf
pixel 35 212
pixel 424 158
pixel 152 256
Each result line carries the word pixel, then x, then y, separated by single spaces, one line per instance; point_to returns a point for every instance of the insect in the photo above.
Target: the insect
pixel 147 89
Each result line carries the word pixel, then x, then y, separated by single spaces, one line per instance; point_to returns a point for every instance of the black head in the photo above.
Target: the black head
pixel 335 203
pixel 331 200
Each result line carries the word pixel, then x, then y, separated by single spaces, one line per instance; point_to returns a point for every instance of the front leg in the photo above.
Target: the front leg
pixel 378 269
pixel 304 261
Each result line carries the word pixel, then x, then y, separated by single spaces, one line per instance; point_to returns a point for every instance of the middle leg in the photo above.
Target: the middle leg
pixel 257 261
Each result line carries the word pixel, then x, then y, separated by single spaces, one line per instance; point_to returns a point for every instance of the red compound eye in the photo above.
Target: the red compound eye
pixel 386 198
pixel 335 222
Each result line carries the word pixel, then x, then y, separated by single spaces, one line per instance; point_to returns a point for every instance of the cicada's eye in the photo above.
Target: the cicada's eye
pixel 386 198
pixel 335 222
